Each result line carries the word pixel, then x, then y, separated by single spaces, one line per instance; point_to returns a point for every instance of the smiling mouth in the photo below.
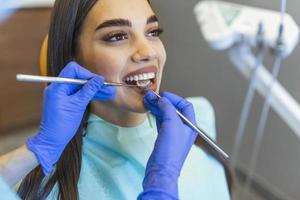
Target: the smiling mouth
pixel 143 80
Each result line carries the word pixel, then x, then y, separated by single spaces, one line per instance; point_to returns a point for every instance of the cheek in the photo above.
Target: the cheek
pixel 162 56
pixel 161 52
pixel 109 63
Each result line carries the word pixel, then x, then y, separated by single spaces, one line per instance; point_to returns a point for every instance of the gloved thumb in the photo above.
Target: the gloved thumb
pixel 182 105
pixel 150 101
pixel 89 90
pixel 168 111
pixel 105 93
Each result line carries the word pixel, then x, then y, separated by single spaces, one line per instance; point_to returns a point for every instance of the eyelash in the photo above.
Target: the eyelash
pixel 124 36
pixel 158 32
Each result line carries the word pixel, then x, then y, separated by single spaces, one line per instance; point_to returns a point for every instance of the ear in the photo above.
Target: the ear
pixel 43 57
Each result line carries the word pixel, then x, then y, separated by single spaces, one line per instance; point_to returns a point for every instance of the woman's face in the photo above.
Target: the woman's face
pixel 120 41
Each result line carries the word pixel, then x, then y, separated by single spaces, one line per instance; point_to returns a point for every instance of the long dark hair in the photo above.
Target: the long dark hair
pixel 66 22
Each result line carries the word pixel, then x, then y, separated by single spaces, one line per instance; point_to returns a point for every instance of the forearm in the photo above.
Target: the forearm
pixel 17 164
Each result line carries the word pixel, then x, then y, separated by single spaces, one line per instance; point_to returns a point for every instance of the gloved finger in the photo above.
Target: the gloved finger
pixel 179 102
pixel 150 101
pixel 168 111
pixel 105 93
pixel 89 90
pixel 182 105
pixel 73 70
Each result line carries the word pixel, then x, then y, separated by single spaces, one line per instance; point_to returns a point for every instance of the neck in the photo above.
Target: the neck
pixel 108 112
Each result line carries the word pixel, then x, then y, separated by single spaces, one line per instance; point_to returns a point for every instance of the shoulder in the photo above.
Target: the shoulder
pixel 205 115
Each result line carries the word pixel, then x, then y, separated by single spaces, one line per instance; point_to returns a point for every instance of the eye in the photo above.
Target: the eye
pixel 115 37
pixel 155 33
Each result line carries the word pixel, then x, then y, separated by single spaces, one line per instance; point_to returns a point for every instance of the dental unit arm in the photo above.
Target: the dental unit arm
pixel 233 27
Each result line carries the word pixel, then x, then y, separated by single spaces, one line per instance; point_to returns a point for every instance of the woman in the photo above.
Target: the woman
pixel 115 139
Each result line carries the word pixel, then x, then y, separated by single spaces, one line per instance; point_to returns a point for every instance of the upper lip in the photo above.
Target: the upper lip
pixel 142 71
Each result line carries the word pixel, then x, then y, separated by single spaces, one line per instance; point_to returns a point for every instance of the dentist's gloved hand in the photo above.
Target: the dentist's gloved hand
pixel 63 109
pixel 173 143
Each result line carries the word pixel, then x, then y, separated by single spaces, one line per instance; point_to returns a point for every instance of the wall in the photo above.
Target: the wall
pixel 21 36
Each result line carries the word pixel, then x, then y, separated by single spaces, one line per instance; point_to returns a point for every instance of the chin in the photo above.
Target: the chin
pixel 139 108
pixel 142 109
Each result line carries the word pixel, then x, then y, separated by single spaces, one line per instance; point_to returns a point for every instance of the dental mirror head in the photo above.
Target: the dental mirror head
pixel 144 84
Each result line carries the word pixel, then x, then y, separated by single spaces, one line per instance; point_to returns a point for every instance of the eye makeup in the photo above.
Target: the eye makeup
pixel 156 32
pixel 121 35
pixel 115 36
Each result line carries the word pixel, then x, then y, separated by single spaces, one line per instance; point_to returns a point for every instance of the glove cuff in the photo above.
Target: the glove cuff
pixel 156 194
pixel 161 178
pixel 46 155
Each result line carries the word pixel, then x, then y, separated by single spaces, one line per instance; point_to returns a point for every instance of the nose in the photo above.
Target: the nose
pixel 144 51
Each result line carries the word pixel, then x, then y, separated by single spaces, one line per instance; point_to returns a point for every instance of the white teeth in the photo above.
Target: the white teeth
pixel 144 84
pixel 151 75
pixel 136 78
pixel 145 76
pixel 140 77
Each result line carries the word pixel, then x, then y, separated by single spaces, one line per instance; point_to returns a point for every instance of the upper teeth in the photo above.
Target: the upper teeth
pixel 140 77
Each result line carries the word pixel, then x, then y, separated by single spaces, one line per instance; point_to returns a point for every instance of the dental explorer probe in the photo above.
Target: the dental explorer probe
pixel 201 133
pixel 50 79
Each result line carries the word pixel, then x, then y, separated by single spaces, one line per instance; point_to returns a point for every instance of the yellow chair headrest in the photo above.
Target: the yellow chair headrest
pixel 43 57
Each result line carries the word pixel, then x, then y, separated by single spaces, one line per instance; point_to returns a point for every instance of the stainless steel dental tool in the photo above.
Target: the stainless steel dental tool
pixel 49 79
pixel 203 135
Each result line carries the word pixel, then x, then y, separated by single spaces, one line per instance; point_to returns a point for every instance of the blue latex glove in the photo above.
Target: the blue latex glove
pixel 63 109
pixel 171 148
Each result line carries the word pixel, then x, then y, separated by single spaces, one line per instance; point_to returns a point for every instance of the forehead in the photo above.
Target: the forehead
pixel 136 11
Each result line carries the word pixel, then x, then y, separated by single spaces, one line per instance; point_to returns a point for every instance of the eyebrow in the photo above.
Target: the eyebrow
pixel 123 22
pixel 152 19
